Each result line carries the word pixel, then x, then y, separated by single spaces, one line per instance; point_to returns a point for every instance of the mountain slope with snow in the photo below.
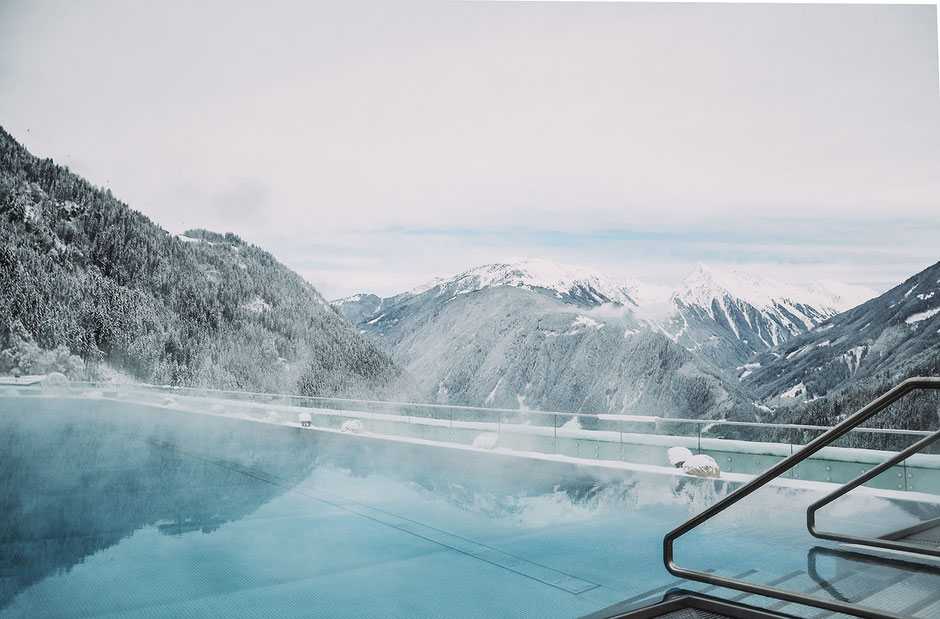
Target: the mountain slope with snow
pixel 547 336
pixel 892 336
pixel 511 347
pixel 727 316
pixel 547 313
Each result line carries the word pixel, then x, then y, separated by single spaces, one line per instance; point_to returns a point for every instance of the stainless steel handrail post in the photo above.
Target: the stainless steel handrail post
pixel 761 480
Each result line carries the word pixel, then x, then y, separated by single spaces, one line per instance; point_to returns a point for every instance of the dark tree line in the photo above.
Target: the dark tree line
pixel 919 410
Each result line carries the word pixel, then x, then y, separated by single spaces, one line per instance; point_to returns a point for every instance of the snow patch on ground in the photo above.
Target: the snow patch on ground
pixel 798 351
pixel 572 424
pixel 257 305
pixel 853 357
pixel 921 316
pixel 492 394
pixel 486 440
pixel 584 321
pixel 796 390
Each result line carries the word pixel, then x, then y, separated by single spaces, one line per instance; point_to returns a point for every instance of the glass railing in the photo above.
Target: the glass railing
pixel 738 447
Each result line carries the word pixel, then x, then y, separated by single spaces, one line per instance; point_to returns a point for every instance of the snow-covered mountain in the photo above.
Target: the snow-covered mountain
pixel 519 347
pixel 541 334
pixel 798 307
pixel 728 316
pixel 574 284
pixel 894 335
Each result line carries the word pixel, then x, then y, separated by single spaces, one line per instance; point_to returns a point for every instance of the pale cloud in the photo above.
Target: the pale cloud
pixel 385 262
pixel 374 146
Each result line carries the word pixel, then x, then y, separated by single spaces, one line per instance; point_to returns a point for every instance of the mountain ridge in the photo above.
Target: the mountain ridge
pixel 724 316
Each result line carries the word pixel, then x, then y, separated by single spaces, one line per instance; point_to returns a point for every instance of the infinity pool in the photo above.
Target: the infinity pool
pixel 118 509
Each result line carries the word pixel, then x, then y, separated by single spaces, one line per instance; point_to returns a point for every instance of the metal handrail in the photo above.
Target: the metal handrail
pixel 761 480
pixel 858 481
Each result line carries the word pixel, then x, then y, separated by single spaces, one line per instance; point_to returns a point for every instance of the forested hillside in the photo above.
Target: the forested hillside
pixel 91 287
pixel 895 335
pixel 849 360
pixel 916 411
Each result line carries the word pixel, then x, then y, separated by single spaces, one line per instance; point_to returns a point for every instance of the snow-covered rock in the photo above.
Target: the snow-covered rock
pixel 56 382
pixel 487 440
pixel 352 426
pixel 701 466
pixel 272 417
pixel 678 455
pixel 168 402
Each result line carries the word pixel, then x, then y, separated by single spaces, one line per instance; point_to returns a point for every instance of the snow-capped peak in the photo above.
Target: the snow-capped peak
pixel 706 283
pixel 546 274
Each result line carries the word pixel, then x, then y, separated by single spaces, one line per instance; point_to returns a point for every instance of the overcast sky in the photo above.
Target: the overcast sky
pixel 374 146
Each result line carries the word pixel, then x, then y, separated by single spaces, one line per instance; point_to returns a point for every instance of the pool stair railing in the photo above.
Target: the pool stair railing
pixel 777 590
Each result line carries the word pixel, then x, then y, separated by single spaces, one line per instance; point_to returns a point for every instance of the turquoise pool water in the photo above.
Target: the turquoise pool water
pixel 112 509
